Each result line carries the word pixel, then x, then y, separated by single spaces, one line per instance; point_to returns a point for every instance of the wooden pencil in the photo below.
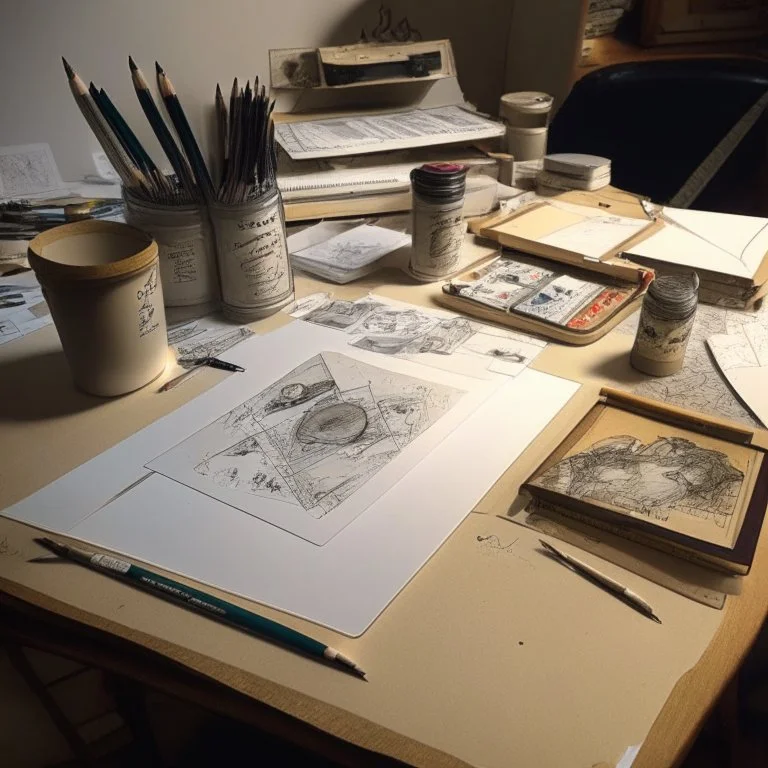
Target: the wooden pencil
pixel 177 160
pixel 221 135
pixel 184 132
pixel 130 175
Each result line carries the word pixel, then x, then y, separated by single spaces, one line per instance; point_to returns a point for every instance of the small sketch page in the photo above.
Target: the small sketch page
pixel 22 307
pixel 742 358
pixel 359 134
pixel 302 453
pixel 28 170
pixel 682 481
pixel 350 254
pixel 205 337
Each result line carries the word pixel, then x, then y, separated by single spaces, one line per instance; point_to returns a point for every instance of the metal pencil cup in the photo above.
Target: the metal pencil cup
pixel 187 251
pixel 256 275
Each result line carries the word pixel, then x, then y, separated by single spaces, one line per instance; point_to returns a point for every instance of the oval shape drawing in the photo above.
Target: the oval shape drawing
pixel 337 424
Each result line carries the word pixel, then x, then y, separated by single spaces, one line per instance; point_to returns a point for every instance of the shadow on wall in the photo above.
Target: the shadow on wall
pixel 479 32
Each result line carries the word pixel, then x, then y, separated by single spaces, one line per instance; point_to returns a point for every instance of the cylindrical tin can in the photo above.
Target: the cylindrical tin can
pixel 256 275
pixel 186 248
pixel 666 322
pixel 101 281
pixel 437 221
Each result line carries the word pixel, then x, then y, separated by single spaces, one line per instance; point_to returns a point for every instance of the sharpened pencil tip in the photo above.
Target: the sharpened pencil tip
pixel 132 64
pixel 67 68
pixel 159 69
pixel 656 618
pixel 218 92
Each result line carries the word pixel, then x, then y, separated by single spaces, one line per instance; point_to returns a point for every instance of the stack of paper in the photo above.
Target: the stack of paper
pixel 347 255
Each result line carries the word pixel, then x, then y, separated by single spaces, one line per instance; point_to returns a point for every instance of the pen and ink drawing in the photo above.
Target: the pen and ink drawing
pixel 311 439
pixel 659 479
pixel 202 338
pixel 27 170
pixel 410 332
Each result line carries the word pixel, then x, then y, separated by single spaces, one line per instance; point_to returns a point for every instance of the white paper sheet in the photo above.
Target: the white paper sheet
pixel 742 358
pixel 308 139
pixel 28 170
pixel 22 306
pixel 595 236
pixel 344 584
pixel 718 242
pixel 314 448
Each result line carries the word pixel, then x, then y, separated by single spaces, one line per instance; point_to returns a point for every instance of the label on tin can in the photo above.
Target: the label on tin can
pixel 253 256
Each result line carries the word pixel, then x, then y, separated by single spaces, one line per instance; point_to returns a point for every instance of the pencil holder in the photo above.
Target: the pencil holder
pixel 101 282
pixel 256 275
pixel 186 249
pixel 526 115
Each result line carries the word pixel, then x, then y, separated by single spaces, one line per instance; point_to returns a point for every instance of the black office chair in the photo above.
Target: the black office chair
pixel 658 120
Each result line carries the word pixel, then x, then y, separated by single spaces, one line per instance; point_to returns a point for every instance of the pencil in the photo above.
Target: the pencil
pixel 613 586
pixel 177 160
pixel 202 602
pixel 130 175
pixel 222 134
pixel 184 132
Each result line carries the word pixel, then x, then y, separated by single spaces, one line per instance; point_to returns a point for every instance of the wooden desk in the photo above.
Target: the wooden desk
pixel 48 429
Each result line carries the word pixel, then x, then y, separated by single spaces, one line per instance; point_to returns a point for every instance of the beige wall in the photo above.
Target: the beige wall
pixel 200 42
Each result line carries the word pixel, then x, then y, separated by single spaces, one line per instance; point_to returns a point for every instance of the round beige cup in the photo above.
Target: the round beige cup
pixel 101 281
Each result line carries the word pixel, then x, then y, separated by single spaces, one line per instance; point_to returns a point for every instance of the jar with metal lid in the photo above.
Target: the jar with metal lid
pixel 438 225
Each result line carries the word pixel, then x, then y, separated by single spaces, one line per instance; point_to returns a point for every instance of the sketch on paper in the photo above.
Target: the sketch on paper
pixel 661 479
pixel 441 339
pixel 22 307
pixel 205 337
pixel 310 441
pixel 743 359
pixel 27 170
pixel 351 250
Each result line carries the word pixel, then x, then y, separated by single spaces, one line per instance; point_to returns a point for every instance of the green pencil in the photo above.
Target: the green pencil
pixel 201 602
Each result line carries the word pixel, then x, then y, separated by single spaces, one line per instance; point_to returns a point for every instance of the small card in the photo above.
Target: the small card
pixel 559 300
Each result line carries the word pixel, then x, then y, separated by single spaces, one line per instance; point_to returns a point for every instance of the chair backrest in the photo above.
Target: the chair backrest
pixel 658 120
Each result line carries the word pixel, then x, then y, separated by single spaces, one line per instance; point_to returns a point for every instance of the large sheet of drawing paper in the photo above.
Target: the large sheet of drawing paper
pixel 115 502
pixel 315 448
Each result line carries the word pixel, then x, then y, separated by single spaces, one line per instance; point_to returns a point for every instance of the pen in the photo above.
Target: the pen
pixel 196 363
pixel 201 602
pixel 613 586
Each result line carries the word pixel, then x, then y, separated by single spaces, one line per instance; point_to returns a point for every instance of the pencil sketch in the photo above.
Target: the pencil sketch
pixel 444 340
pixel 699 385
pixel 206 337
pixel 311 439
pixel 22 307
pixel 27 170
pixel 660 479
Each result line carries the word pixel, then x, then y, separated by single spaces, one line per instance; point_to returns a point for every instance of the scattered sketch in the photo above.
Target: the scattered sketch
pixel 743 360
pixel 22 307
pixel 441 339
pixel 699 385
pixel 659 479
pixel 309 441
pixel 28 170
pixel 205 337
